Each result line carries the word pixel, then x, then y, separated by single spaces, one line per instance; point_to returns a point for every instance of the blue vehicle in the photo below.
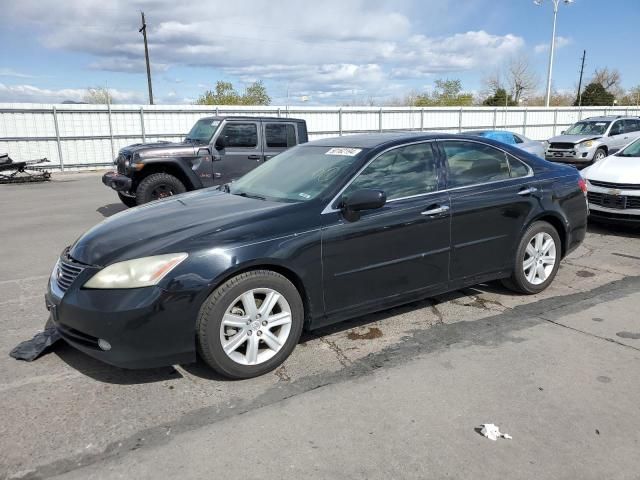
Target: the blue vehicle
pixel 510 138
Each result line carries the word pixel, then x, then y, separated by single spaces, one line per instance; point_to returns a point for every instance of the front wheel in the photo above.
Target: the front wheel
pixel 250 324
pixel 128 201
pixel 157 186
pixel 599 155
pixel 537 259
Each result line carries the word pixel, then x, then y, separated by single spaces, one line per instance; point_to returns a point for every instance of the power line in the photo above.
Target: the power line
pixel 584 54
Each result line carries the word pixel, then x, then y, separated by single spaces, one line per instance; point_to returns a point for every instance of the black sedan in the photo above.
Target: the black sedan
pixel 325 231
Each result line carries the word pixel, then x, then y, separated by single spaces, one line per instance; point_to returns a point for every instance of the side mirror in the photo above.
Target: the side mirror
pixel 221 143
pixel 562 132
pixel 365 199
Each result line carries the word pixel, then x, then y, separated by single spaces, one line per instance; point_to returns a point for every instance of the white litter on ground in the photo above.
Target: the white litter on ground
pixel 492 432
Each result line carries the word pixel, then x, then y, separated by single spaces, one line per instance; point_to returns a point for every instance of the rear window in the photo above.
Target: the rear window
pixel 280 135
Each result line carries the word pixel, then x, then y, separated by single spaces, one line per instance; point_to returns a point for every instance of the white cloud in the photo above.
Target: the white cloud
pixel 8 72
pixel 332 46
pixel 33 94
pixel 560 42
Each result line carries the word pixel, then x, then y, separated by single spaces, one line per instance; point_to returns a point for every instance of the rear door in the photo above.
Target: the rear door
pixel 631 130
pixel 278 136
pixel 616 138
pixel 242 152
pixel 492 195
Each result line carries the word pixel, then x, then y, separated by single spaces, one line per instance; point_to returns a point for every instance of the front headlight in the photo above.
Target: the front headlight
pixel 587 144
pixel 139 272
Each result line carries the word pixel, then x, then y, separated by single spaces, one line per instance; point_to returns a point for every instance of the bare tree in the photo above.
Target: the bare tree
pixel 491 83
pixel 611 80
pixel 520 78
pixel 98 95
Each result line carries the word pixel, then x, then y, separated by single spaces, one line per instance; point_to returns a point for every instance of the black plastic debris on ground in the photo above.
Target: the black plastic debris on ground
pixel 29 350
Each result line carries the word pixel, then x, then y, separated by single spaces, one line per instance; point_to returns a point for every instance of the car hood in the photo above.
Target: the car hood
pixel 614 169
pixel 573 138
pixel 168 226
pixel 160 149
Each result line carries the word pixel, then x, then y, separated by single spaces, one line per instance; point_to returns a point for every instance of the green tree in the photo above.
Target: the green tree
pixel 500 99
pixel 225 94
pixel 447 93
pixel 596 95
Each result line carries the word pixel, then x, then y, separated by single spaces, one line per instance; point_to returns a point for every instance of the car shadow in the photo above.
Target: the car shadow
pixel 105 373
pixel 111 209
pixel 619 230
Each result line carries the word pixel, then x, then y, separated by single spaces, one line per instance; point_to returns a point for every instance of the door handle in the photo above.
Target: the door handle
pixel 527 191
pixel 254 157
pixel 436 210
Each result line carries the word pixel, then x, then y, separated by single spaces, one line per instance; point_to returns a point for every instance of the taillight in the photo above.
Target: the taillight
pixel 582 183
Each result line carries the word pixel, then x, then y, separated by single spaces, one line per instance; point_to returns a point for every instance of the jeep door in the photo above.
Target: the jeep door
pixel 241 152
pixel 278 136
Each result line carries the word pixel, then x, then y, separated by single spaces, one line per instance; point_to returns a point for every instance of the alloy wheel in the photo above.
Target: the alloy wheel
pixel 255 326
pixel 539 258
pixel 161 191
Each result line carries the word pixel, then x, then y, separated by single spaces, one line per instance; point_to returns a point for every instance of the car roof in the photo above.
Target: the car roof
pixel 253 119
pixel 370 140
pixel 608 118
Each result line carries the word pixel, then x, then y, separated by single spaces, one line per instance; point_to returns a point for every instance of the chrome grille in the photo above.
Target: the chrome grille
pixel 67 272
pixel 609 201
pixel 562 146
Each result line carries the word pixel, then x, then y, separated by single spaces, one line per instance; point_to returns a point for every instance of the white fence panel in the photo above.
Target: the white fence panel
pixel 77 136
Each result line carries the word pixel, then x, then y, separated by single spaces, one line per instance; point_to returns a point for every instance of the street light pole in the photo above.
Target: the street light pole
pixel 556 3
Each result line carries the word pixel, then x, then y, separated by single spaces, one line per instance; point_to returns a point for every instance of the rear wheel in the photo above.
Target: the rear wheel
pixel 250 324
pixel 128 201
pixel 537 259
pixel 157 186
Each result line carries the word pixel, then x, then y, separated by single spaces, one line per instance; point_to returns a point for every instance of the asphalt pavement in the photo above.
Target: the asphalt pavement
pixel 399 394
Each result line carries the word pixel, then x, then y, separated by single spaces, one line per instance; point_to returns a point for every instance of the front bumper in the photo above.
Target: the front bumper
pixel 117 181
pixel 145 327
pixel 612 205
pixel 575 156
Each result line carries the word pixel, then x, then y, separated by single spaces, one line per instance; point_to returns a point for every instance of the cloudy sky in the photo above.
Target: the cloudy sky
pixel 330 51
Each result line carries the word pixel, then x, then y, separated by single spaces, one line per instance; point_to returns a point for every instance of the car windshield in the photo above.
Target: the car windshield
pixel 202 131
pixel 299 174
pixel 588 128
pixel 632 150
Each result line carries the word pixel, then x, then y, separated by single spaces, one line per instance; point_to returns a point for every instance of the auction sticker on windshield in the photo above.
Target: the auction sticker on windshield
pixel 345 152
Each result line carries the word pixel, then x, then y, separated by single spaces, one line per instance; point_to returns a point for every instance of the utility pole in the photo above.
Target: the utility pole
pixel 143 30
pixel 584 54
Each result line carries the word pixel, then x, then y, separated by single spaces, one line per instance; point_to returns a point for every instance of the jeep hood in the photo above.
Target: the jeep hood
pixel 573 138
pixel 160 149
pixel 180 223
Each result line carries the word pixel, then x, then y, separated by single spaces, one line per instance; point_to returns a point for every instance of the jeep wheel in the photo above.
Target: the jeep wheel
pixel 599 155
pixel 157 186
pixel 128 201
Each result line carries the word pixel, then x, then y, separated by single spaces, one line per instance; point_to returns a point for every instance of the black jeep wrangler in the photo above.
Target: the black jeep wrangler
pixel 216 151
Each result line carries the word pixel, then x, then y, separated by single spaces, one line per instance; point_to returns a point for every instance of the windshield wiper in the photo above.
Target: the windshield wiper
pixel 250 195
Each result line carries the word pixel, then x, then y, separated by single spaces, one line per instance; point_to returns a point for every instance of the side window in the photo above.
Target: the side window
pixel 616 128
pixel 280 135
pixel 243 135
pixel 631 126
pixel 518 169
pixel 471 163
pixel 402 172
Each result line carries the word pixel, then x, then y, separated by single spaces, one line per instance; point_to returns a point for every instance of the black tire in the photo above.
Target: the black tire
pixel 599 152
pixel 213 309
pixel 157 186
pixel 518 281
pixel 128 201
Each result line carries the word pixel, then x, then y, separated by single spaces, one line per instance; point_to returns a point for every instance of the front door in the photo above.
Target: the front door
pixel 398 249
pixel 242 151
pixel 492 194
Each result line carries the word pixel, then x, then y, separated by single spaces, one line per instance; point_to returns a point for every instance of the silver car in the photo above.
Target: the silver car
pixel 592 139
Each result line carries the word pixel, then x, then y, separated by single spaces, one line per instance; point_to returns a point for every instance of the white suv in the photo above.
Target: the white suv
pixel 592 139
